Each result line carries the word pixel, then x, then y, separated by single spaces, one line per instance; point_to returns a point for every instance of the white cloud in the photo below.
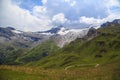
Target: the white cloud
pixel 89 20
pixel 13 15
pixel 111 3
pixel 71 13
pixel 71 2
pixel 40 9
pixel 59 18
pixel 44 1
pixel 110 16
pixel 40 12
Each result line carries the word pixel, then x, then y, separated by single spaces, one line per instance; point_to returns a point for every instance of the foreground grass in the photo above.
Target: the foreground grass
pixel 107 72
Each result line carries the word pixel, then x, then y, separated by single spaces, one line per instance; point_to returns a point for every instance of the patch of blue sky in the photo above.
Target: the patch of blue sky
pixel 115 9
pixel 28 4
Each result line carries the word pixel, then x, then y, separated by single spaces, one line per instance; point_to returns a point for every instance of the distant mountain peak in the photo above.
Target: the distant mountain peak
pixel 92 31
pixel 54 30
pixel 6 32
pixel 116 21
pixel 10 28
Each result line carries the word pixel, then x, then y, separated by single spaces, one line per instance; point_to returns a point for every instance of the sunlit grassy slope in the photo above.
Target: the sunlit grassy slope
pixel 107 72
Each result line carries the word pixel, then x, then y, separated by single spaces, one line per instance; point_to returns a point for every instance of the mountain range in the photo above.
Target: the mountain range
pixel 19 47
pixel 16 41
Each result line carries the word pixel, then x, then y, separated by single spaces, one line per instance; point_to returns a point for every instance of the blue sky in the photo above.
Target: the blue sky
pixel 40 15
pixel 28 4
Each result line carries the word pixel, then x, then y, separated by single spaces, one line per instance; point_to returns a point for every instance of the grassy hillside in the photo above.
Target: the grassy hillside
pixel 8 54
pixel 102 49
pixel 44 49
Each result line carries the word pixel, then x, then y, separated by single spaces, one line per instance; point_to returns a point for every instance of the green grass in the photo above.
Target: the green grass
pixel 106 72
pixel 10 51
pixel 14 75
pixel 8 55
pixel 46 48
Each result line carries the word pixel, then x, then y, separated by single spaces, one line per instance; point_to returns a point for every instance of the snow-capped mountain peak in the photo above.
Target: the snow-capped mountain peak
pixel 63 31
pixel 53 31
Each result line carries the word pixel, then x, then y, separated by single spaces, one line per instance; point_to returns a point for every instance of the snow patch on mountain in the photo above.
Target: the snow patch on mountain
pixel 63 31
pixel 17 31
pixel 48 33
pixel 66 36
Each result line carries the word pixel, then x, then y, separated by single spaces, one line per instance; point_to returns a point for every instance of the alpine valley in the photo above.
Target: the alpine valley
pixel 91 53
